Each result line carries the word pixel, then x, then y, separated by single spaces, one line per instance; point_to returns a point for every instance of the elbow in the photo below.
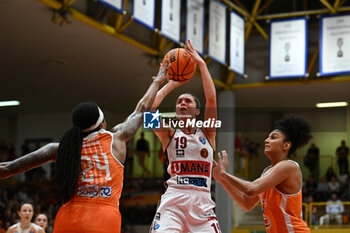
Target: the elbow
pixel 251 191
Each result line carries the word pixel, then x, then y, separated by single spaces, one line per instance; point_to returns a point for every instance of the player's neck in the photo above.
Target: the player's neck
pixel 25 225
pixel 189 130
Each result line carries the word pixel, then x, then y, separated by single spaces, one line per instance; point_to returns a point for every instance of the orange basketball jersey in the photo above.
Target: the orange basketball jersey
pixel 95 205
pixel 282 212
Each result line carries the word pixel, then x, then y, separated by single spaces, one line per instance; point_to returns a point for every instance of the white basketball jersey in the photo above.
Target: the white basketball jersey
pixel 190 158
pixel 32 229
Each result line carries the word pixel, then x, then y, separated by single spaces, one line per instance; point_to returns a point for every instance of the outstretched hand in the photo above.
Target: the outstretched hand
pixel 220 167
pixel 163 72
pixel 195 56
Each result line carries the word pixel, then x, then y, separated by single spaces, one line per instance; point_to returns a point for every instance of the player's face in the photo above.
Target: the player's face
pixel 186 106
pixel 41 220
pixel 274 143
pixel 26 212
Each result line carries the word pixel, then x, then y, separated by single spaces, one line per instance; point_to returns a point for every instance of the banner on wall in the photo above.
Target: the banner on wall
pixel 170 19
pixel 288 48
pixel 217 31
pixel 237 43
pixel 144 12
pixel 334 44
pixel 195 24
pixel 115 4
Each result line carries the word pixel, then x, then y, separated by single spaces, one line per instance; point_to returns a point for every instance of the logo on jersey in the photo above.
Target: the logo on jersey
pixel 151 120
pixel 155 225
pixel 88 191
pixel 202 140
pixel 204 153
pixel 200 182
pixel 105 191
pixel 189 167
pixel 157 216
pixel 267 221
pixel 180 153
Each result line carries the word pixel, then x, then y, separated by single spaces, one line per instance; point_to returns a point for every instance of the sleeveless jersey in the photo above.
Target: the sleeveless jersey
pixel 190 158
pixel 32 229
pixel 101 177
pixel 282 212
pixel 95 205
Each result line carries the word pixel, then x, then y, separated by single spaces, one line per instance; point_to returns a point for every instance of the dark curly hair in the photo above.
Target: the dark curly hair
pixel 296 130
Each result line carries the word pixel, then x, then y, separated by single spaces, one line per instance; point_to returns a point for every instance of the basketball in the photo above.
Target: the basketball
pixel 182 67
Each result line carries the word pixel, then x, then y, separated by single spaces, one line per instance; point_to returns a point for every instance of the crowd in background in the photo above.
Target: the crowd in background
pixel 38 190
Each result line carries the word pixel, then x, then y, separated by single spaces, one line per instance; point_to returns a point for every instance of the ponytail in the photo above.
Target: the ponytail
pixel 86 118
pixel 68 163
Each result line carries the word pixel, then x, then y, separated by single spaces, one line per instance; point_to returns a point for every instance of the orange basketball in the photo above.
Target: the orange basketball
pixel 182 66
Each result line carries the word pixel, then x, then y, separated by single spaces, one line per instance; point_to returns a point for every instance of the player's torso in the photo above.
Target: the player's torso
pixel 190 159
pixel 282 212
pixel 101 177
pixel 32 229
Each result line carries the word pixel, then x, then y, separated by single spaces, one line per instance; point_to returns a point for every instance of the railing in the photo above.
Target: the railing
pixel 312 212
pixel 316 210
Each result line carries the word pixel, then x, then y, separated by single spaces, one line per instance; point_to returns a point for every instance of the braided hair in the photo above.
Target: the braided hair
pixel 296 130
pixel 68 162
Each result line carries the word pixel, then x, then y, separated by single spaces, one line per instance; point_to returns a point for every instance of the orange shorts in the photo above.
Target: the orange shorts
pixel 85 217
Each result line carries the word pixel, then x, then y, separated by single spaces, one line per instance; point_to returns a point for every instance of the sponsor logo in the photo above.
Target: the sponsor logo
pixel 88 191
pixel 189 167
pixel 204 153
pixel 202 140
pixel 267 221
pixel 180 153
pixel 200 182
pixel 155 225
pixel 157 216
pixel 151 120
pixel 105 191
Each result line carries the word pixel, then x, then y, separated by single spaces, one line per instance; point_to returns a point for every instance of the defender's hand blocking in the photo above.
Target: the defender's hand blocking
pixel 163 72
pixel 221 166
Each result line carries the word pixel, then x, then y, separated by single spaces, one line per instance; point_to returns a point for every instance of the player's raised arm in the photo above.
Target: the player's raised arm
pixel 208 87
pixel 129 127
pixel 32 160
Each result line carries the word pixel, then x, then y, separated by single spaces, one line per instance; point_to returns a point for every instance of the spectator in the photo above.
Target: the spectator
pixel 238 143
pixel 322 191
pixel 330 173
pixel 342 154
pixel 334 186
pixel 142 150
pixel 311 186
pixel 129 159
pixel 24 225
pixel 310 200
pixel 311 160
pixel 41 220
pixel 334 210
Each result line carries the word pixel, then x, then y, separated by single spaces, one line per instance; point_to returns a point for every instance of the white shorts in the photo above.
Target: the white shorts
pixel 185 211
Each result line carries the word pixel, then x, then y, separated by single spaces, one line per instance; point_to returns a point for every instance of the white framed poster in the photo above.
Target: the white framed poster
pixel 170 19
pixel 334 44
pixel 217 31
pixel 195 24
pixel 288 48
pixel 115 4
pixel 144 12
pixel 237 43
